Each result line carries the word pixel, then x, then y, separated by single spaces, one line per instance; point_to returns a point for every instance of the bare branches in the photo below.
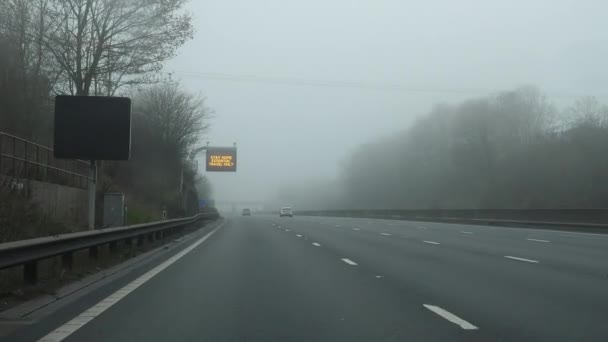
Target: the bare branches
pixel 176 117
pixel 103 43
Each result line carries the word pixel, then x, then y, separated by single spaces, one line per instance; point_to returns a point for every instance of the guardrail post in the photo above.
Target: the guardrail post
pixel 140 240
pixel 92 192
pixel 30 272
pixel 128 242
pixel 93 252
pixel 151 237
pixel 67 260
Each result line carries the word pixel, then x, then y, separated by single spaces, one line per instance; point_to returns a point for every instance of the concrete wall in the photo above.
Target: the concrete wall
pixel 62 203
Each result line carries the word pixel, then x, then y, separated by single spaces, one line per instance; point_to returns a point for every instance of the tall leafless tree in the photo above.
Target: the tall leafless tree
pixel 101 45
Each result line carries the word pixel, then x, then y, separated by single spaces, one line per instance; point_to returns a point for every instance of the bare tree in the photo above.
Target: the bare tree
pixel 101 45
pixel 178 118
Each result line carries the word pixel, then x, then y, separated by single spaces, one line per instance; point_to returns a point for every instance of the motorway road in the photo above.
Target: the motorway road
pixel 265 278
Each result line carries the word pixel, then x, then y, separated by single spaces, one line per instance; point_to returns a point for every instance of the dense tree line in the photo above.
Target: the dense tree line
pixel 513 149
pixel 167 125
pixel 108 47
pixel 509 150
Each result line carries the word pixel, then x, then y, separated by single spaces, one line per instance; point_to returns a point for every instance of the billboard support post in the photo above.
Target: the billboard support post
pixel 92 193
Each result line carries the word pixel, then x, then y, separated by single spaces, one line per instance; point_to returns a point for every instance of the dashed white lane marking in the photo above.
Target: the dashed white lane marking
pixel 463 232
pixel 356 229
pixel 298 235
pixel 79 321
pixel 378 276
pixel 431 242
pixel 522 259
pixel 421 227
pixel 338 225
pixel 451 317
pixel 350 262
pixel 287 230
pixel 538 240
pixel 385 234
pixel 316 244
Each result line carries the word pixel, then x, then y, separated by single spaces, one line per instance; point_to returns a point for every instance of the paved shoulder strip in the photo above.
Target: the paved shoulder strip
pixel 79 321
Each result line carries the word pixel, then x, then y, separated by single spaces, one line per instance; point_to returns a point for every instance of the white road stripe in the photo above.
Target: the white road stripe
pixel 451 317
pixel 538 240
pixel 421 227
pixel 286 230
pixel 521 259
pixel 298 235
pixel 338 225
pixel 463 232
pixel 431 242
pixel 356 229
pixel 385 234
pixel 79 321
pixel 316 244
pixel 350 262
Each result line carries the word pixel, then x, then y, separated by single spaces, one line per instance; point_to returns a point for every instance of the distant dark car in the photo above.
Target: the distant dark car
pixel 246 212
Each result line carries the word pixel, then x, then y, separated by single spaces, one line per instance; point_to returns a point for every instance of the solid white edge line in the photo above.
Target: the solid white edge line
pixel 85 317
pixel 538 240
pixel 451 317
pixel 350 262
pixel 522 259
pixel 431 242
pixel 316 244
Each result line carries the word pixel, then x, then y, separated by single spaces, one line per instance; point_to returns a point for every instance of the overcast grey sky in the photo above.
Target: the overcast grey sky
pixel 434 51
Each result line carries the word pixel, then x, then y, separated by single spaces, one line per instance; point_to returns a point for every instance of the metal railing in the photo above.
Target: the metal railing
pixel 29 252
pixel 24 159
pixel 579 219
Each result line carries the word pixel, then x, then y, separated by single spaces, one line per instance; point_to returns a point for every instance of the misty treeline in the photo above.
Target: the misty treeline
pixel 109 48
pixel 513 149
pixel 167 125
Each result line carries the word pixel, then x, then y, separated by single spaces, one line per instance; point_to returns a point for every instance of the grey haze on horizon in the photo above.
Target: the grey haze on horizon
pixel 289 131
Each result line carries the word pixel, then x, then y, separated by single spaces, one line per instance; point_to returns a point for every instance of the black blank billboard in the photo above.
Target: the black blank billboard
pixel 92 127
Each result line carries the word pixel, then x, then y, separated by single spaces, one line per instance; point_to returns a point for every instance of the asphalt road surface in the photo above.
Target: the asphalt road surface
pixel 265 278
